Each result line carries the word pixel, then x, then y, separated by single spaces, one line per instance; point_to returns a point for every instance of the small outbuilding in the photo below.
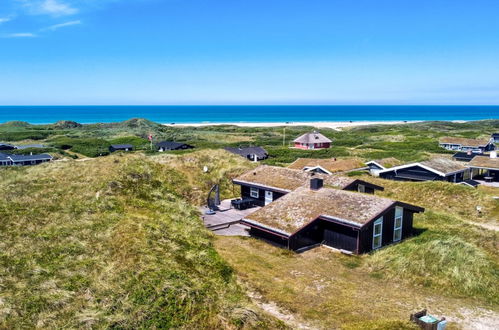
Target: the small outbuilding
pixel 172 145
pixel 312 141
pixel 251 153
pixel 344 220
pixel 120 147
pixel 495 137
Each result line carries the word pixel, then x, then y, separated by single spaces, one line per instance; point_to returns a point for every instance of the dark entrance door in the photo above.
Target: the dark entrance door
pixel 345 241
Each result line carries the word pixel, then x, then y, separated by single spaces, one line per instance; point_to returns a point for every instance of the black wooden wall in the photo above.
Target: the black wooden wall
pixel 245 193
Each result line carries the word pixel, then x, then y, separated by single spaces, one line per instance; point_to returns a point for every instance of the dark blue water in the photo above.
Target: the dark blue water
pixel 234 114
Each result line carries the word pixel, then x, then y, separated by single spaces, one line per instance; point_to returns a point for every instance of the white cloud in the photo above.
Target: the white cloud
pixel 4 19
pixel 50 7
pixel 56 7
pixel 58 26
pixel 20 35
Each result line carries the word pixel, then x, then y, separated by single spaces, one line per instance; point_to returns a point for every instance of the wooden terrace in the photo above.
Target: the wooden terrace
pixel 224 221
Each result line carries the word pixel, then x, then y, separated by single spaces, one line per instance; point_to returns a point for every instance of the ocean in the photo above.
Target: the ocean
pixel 242 114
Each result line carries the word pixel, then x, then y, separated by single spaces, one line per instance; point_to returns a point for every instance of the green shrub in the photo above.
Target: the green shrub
pixel 137 142
pixel 24 135
pixel 90 147
pixel 285 155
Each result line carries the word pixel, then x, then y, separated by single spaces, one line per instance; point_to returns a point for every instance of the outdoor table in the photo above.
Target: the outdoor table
pixel 242 204
pixel 488 178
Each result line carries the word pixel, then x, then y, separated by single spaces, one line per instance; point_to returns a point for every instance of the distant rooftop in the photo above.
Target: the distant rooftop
pixel 328 164
pixel 313 137
pixel 122 146
pixel 248 151
pixel 26 146
pixel 464 155
pixel 27 158
pixel 386 162
pixel 464 141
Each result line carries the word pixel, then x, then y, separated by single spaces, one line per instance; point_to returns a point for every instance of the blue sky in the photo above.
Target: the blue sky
pixel 249 52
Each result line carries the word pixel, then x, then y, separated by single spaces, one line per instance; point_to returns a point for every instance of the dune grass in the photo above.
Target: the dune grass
pixel 111 242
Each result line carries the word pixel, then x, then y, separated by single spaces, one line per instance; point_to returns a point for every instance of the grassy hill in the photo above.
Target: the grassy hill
pixel 111 242
pixel 116 241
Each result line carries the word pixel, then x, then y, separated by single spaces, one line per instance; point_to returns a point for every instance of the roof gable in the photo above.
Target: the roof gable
pixel 464 141
pixel 439 166
pixel 313 137
pixel 248 151
pixel 331 165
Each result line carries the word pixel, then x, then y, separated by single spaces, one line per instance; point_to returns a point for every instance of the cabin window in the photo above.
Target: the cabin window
pixel 361 188
pixel 397 225
pixel 254 192
pixel 377 233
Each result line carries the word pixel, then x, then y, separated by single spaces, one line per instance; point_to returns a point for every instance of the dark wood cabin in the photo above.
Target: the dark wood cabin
pixel 250 153
pixel 5 146
pixel 292 222
pixel 5 160
pixel 25 160
pixel 438 169
pixel 464 144
pixel 464 156
pixel 120 147
pixel 266 184
pixel 172 145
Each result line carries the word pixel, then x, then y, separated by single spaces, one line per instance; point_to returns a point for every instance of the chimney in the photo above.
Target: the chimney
pixel 493 154
pixel 316 183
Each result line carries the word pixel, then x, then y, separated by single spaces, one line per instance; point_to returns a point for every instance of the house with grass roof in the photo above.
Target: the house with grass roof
pixel 437 169
pixel 23 160
pixel 265 184
pixel 465 144
pixel 316 215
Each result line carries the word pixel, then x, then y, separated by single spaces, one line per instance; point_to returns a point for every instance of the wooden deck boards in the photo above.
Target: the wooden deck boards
pixel 225 215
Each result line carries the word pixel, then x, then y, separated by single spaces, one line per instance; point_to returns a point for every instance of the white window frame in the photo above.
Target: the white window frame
pixel 361 188
pixel 395 228
pixel 380 235
pixel 254 192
